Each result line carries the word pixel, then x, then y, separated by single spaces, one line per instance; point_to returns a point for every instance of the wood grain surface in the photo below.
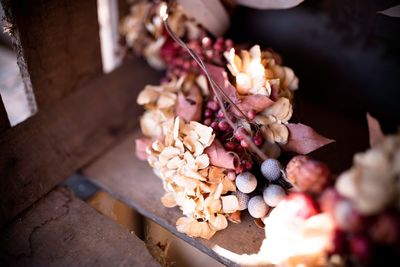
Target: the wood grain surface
pixel 61 230
pixel 57 44
pixel 41 152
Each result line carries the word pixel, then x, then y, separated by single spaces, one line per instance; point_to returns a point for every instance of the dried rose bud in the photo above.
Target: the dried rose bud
pixel 293 166
pixel 309 175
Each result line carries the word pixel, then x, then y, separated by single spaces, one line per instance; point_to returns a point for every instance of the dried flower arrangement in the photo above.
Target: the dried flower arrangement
pixel 214 130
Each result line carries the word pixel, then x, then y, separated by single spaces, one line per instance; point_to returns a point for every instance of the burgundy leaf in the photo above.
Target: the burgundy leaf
pixel 141 145
pixel 189 106
pixel 375 132
pixel 257 103
pixel 303 139
pixel 219 156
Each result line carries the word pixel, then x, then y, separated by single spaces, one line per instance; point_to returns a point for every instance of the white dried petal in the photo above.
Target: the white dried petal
pixel 191 162
pixel 189 143
pixel 228 185
pixel 179 144
pixel 148 95
pixel 166 100
pixel 202 82
pixel 152 53
pixel 175 163
pixel 168 153
pixel 215 205
pixel 150 123
pixel 191 174
pixel 158 146
pixel 218 222
pixel 188 206
pixel 177 124
pixel 218 191
pixel 198 148
pixel 202 161
pixel 230 204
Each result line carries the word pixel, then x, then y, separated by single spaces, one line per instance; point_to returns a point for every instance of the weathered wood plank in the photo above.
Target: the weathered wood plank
pixel 61 230
pixel 37 154
pixel 4 122
pixel 57 44
pixel 132 181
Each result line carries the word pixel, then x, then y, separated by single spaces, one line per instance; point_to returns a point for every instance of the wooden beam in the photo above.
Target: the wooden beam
pixel 57 44
pixel 61 230
pixel 39 153
pixel 4 122
pixel 132 181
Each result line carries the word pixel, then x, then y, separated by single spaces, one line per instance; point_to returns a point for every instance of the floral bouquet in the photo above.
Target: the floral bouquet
pixel 214 131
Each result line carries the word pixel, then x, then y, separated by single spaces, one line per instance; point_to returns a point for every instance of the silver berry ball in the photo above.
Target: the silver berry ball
pixel 246 182
pixel 243 199
pixel 271 169
pixel 273 194
pixel 257 207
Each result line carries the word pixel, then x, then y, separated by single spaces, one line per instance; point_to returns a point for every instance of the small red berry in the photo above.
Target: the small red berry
pixel 207 122
pixel 208 113
pixel 230 145
pixel 258 140
pixel 213 105
pixel 223 125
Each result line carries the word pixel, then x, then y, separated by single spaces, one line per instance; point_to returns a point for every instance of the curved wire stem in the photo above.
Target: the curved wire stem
pixel 216 88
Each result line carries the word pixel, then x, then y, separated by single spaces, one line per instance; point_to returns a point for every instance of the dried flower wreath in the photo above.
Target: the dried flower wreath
pixel 214 130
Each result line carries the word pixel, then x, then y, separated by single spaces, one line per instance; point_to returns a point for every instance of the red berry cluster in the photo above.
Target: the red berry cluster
pixel 233 141
pixel 180 62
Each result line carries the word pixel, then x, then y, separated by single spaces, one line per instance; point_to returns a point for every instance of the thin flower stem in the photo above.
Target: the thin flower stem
pixel 217 90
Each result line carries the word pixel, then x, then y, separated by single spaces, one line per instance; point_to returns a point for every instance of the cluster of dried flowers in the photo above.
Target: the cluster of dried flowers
pixel 214 130
pixel 208 127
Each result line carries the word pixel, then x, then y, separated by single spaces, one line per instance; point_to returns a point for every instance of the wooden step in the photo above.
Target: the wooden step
pixel 61 230
pixel 125 177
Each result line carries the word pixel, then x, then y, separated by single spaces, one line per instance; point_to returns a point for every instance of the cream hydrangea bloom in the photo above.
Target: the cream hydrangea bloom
pixel 189 180
pixel 159 102
pixel 274 119
pixel 248 71
pixel 287 77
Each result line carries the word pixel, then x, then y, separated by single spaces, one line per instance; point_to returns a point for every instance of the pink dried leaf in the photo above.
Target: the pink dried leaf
pixel 219 156
pixel 269 4
pixel 220 77
pixel 257 103
pixel 375 131
pixel 303 139
pixel 141 145
pixel 189 107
